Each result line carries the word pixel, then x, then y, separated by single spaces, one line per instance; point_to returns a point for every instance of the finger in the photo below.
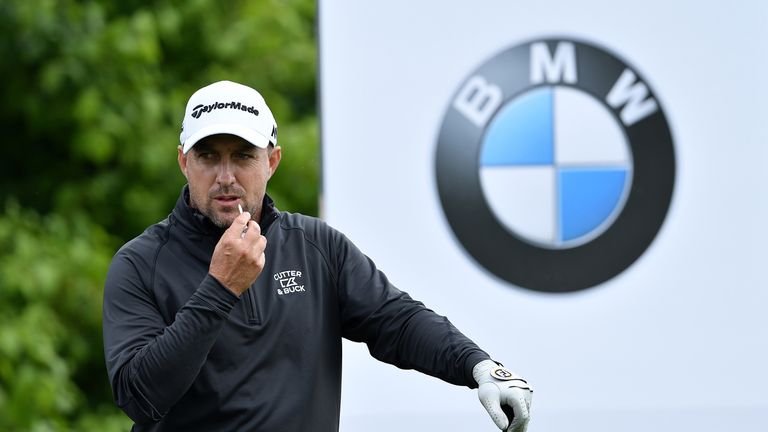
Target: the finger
pixel 240 222
pixel 253 225
pixel 261 261
pixel 490 397
pixel 528 400
pixel 252 231
pixel 509 412
pixel 520 426
pixel 260 245
pixel 519 405
pixel 254 228
pixel 242 218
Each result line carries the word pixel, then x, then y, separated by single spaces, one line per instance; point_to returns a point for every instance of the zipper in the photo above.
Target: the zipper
pixel 252 316
pixel 251 311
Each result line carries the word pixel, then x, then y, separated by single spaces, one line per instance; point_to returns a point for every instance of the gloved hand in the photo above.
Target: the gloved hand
pixel 506 396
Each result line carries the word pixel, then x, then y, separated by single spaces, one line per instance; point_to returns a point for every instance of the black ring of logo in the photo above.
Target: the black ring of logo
pixel 518 261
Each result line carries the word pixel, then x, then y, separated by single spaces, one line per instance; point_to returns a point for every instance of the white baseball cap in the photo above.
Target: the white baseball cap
pixel 226 107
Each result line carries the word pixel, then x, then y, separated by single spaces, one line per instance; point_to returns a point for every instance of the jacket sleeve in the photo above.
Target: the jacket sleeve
pixel 152 364
pixel 398 329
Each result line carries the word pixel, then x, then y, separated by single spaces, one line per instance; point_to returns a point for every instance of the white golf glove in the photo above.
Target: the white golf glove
pixel 505 395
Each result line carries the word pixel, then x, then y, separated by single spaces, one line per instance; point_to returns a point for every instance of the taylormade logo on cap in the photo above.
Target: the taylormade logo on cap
pixel 243 113
pixel 201 109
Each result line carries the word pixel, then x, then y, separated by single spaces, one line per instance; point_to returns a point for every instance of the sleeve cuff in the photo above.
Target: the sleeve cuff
pixel 473 359
pixel 213 293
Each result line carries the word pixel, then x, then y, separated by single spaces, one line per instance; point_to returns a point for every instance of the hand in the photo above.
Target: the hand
pixel 506 396
pixel 238 258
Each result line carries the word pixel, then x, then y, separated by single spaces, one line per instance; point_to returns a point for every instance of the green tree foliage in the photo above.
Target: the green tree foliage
pixel 91 102
pixel 51 368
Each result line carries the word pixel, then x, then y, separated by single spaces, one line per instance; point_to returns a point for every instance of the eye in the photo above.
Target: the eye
pixel 244 155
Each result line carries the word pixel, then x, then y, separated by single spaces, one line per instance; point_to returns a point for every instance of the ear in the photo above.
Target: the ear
pixel 274 159
pixel 183 163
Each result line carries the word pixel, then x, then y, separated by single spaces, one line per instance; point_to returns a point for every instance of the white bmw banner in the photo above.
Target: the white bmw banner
pixel 581 187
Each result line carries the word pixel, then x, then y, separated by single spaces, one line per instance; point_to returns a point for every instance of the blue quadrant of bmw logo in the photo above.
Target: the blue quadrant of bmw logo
pixel 555 165
pixel 549 181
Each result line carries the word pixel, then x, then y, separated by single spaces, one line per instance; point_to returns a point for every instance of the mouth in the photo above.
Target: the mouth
pixel 227 200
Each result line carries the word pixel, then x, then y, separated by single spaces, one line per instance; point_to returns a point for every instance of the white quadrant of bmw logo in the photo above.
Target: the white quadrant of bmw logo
pixel 555 165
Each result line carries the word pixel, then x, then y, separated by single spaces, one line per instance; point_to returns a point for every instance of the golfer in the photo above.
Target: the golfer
pixel 228 315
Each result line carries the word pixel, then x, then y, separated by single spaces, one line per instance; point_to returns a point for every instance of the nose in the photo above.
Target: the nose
pixel 226 173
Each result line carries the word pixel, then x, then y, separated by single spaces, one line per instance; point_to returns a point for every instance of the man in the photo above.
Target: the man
pixel 225 319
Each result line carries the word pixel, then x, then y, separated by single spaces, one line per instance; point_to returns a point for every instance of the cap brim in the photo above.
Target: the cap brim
pixel 247 134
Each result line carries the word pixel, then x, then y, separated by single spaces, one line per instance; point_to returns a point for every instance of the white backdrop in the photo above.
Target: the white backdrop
pixel 678 341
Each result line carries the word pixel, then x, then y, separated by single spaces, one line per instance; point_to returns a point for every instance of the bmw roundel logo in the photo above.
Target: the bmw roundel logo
pixel 555 165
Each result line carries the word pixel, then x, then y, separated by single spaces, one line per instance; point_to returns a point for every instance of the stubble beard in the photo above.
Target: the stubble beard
pixel 211 214
pixel 215 217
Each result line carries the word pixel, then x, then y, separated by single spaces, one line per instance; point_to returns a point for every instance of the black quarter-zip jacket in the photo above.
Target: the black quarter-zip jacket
pixel 184 353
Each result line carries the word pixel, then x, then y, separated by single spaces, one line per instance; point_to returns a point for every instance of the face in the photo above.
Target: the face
pixel 224 171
